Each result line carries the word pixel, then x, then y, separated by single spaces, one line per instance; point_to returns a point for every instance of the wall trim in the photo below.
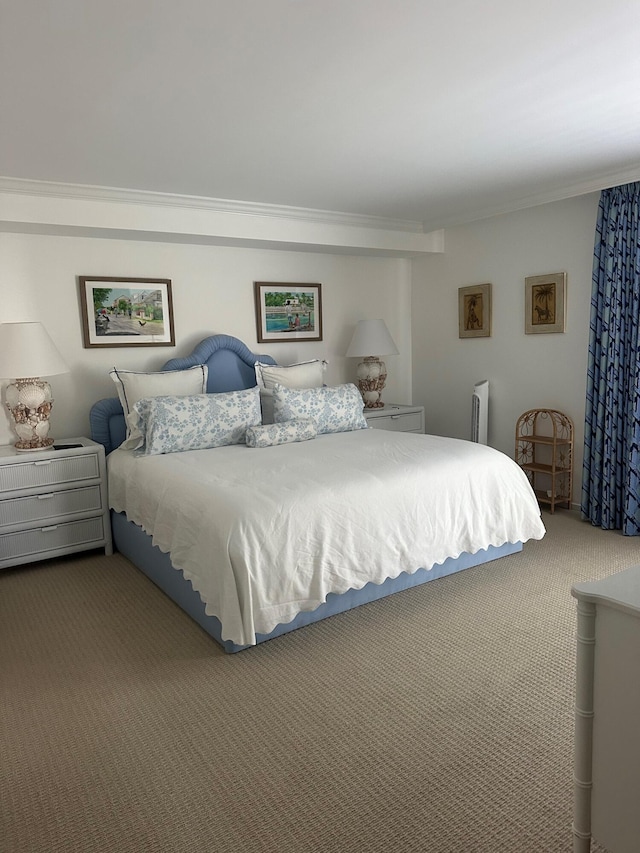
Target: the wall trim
pixel 602 182
pixel 217 205
pixel 44 207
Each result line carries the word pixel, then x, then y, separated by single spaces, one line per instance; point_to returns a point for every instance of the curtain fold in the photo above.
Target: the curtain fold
pixel 611 468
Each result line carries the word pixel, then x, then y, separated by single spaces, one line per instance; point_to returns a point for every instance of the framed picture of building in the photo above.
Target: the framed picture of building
pixel 288 312
pixel 126 312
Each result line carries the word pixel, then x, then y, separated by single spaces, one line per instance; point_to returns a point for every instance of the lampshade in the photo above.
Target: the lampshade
pixel 371 337
pixel 27 353
pixel 27 350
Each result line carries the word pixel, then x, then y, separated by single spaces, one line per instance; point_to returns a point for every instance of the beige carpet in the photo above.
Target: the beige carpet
pixel 439 720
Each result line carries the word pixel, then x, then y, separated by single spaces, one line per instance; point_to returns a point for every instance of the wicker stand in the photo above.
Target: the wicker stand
pixel 544 450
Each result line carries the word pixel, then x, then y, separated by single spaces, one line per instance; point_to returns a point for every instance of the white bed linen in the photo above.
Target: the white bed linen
pixel 264 533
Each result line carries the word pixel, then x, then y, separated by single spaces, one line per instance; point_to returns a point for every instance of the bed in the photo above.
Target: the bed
pixel 254 542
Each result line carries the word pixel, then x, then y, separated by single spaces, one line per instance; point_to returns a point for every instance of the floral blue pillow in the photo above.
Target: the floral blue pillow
pixel 334 408
pixel 269 435
pixel 172 424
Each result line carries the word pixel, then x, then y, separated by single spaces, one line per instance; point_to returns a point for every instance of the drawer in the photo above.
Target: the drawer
pixel 48 472
pixel 50 505
pixel 410 422
pixel 43 539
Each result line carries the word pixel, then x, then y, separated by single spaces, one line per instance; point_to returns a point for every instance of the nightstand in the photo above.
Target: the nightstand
pixel 396 418
pixel 53 502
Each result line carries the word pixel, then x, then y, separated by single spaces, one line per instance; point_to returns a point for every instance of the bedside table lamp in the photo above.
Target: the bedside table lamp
pixel 371 336
pixel 26 350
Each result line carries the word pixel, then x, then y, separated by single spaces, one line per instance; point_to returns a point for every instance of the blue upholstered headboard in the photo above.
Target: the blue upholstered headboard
pixel 231 368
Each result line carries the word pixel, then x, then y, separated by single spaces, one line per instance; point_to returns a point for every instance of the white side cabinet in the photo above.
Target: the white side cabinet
pixel 396 418
pixel 53 502
pixel 607 726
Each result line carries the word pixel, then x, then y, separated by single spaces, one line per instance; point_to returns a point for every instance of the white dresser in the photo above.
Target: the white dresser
pixel 607 726
pixel 397 418
pixel 53 502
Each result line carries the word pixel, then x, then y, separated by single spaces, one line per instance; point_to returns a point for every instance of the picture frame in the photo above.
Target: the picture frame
pixel 474 311
pixel 288 312
pixel 126 312
pixel 545 297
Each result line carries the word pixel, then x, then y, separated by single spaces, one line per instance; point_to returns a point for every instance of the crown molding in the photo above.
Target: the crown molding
pixel 591 185
pixel 88 192
pixel 26 186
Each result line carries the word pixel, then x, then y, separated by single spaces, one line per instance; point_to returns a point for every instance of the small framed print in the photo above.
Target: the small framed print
pixel 126 312
pixel 545 303
pixel 288 312
pixel 474 311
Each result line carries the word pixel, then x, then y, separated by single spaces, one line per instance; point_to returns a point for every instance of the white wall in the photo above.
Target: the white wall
pixel 212 293
pixel 524 371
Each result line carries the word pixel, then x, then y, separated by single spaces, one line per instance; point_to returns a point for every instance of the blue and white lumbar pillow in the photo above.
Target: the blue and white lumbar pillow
pixel 334 408
pixel 268 435
pixel 172 424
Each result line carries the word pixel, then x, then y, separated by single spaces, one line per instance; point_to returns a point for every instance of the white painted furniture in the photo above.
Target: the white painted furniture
pixel 53 502
pixel 396 418
pixel 607 721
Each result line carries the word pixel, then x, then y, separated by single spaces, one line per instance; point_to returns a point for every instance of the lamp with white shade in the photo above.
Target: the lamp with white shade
pixel 370 340
pixel 26 350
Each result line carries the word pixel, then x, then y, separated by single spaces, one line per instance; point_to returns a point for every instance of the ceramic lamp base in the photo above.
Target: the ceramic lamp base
pixel 29 401
pixel 372 377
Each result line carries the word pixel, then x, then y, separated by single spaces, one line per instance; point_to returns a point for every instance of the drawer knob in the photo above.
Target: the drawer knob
pixel 45 497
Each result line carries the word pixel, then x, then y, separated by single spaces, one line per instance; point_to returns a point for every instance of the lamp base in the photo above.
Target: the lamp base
pixel 27 447
pixel 372 377
pixel 29 401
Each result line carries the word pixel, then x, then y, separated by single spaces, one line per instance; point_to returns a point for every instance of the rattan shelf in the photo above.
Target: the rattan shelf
pixel 544 451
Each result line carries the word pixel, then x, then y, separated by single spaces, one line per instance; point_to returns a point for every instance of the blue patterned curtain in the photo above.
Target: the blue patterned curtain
pixel 611 470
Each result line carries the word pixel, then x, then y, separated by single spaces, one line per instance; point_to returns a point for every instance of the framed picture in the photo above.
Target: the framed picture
pixel 474 311
pixel 545 303
pixel 126 312
pixel 288 312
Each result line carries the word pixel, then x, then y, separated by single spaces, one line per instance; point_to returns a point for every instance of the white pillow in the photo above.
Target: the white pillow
pixel 173 424
pixel 337 408
pixel 133 385
pixel 304 374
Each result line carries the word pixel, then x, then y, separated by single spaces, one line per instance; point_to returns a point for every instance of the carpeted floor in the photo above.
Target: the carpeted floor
pixel 439 720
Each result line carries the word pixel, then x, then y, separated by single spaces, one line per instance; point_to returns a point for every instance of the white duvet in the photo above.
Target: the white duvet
pixel 264 533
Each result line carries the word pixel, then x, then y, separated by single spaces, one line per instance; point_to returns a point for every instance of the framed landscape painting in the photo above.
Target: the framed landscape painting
pixel 126 312
pixel 288 312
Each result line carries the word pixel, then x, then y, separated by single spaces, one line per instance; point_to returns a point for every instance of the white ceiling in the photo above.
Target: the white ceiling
pixel 435 111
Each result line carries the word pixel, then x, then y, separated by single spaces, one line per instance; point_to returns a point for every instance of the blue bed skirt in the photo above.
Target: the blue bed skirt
pixel 136 545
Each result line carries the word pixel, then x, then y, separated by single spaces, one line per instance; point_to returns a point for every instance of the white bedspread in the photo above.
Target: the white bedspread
pixel 264 533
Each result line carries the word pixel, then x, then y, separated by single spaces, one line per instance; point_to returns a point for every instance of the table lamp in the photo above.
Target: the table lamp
pixel 26 350
pixel 371 336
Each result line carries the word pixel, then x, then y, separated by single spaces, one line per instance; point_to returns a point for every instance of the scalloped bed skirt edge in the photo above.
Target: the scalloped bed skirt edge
pixel 135 544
